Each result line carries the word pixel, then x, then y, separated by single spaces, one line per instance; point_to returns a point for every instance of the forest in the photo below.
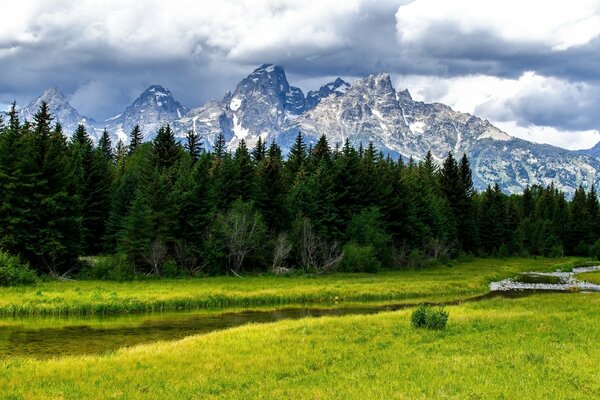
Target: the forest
pixel 169 209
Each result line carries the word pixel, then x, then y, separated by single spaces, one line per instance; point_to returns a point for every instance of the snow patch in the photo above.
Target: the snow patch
pixel 494 134
pixel 235 104
pixel 417 127
pixel 238 130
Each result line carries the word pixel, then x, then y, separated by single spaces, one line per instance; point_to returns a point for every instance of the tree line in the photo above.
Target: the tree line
pixel 166 208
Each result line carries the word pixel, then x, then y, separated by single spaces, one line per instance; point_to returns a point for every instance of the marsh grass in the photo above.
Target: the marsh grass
pixel 461 281
pixel 538 347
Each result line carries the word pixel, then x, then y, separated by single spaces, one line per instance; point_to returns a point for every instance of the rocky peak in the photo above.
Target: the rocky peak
pixel 159 97
pixel 335 88
pixel 60 109
pixel 404 95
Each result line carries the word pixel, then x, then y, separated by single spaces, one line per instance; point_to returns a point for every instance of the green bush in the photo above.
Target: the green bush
pixel 359 259
pixel 170 269
pixel 429 317
pixel 116 267
pixel 14 272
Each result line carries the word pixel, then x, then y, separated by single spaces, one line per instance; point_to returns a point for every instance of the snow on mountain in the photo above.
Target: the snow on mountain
pixel 335 88
pixel 61 111
pixel 154 108
pixel 372 111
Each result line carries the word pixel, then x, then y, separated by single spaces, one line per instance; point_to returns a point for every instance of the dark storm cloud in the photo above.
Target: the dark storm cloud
pixel 104 54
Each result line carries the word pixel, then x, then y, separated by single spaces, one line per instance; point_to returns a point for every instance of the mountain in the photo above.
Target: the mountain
pixel 265 105
pixel 61 110
pixel 371 110
pixel 154 108
pixel 335 88
pixel 594 151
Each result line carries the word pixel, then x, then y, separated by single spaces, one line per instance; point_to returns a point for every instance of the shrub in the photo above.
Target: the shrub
pixel 359 259
pixel 170 269
pixel 429 317
pixel 14 272
pixel 115 267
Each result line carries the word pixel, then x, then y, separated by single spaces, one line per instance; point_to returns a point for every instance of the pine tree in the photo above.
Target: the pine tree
pixel 220 146
pixel 135 139
pixel 260 150
pixel 321 152
pixel 243 178
pixel 296 158
pixel 193 145
pixel 270 188
pixel 105 145
pixel 165 150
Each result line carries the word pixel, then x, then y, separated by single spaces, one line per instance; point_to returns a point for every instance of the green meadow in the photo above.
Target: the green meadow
pixel 535 347
pixel 444 282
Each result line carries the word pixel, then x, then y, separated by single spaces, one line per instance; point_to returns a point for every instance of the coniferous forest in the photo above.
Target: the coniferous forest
pixel 168 209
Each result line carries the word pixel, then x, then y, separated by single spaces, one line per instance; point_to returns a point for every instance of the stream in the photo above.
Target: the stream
pixel 43 338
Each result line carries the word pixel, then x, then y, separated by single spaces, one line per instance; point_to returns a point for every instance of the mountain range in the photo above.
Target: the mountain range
pixel 265 105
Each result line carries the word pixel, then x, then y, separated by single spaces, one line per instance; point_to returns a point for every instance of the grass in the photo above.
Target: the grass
pixel 440 283
pixel 538 347
pixel 591 277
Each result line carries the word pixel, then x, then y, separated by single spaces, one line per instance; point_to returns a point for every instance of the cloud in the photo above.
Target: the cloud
pixel 534 63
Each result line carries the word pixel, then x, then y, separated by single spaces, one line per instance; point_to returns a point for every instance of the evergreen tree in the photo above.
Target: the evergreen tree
pixel 243 173
pixel 296 158
pixel 270 189
pixel 193 145
pixel 165 150
pixel 105 145
pixel 135 139
pixel 260 150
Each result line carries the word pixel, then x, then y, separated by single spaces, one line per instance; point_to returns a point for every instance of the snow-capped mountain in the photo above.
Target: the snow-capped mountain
pixel 336 88
pixel 265 105
pixel 154 108
pixel 371 110
pixel 61 110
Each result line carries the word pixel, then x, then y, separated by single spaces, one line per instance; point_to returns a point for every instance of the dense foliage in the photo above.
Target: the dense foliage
pixel 429 317
pixel 168 209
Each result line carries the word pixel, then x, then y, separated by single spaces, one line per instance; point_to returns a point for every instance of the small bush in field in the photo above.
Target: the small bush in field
pixel 359 259
pixel 14 272
pixel 115 267
pixel 429 317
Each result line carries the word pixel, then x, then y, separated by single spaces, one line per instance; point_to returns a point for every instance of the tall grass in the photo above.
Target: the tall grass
pixel 442 282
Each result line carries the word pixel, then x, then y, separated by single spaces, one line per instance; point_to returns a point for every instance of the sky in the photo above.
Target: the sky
pixel 531 67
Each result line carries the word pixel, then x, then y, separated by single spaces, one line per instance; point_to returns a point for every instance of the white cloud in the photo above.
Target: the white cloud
pixel 557 24
pixel 532 107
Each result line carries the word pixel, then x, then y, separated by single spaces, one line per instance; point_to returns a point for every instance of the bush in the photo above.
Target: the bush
pixel 116 267
pixel 14 272
pixel 170 269
pixel 429 317
pixel 359 259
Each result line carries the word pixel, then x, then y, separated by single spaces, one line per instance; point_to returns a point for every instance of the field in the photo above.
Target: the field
pixel 440 283
pixel 536 347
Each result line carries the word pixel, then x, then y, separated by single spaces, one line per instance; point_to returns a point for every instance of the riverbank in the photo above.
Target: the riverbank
pixel 537 347
pixel 454 281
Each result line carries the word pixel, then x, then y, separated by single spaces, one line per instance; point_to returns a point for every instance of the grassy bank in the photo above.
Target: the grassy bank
pixel 591 277
pixel 458 280
pixel 543 346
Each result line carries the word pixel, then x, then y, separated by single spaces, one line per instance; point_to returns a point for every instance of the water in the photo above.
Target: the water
pixel 47 338
pixel 547 281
